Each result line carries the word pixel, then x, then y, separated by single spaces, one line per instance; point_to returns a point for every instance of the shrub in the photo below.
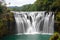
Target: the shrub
pixel 56 36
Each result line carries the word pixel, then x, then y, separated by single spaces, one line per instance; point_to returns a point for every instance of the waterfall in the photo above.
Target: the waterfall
pixel 34 22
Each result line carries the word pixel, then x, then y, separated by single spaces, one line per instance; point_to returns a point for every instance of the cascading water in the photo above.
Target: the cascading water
pixel 34 22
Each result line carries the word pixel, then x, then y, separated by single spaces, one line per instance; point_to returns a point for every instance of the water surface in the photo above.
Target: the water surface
pixel 27 37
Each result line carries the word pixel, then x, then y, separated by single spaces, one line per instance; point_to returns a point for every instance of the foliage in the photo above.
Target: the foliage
pixel 40 5
pixel 6 17
pixel 56 36
pixel 22 8
pixel 56 5
pixel 43 5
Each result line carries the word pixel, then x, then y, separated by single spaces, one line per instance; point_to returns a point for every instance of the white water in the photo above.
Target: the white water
pixel 34 22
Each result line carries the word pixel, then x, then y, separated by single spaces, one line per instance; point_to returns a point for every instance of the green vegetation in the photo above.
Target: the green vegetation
pixel 22 8
pixel 39 5
pixel 56 36
pixel 6 19
pixel 7 22
pixel 43 5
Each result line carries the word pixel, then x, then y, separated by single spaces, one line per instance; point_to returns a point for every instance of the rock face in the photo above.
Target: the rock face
pixel 11 24
pixel 7 24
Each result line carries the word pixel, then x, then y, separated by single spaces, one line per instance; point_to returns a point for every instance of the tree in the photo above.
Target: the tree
pixel 56 5
pixel 6 19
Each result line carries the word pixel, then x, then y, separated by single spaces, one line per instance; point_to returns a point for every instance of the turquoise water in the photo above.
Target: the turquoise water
pixel 27 37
